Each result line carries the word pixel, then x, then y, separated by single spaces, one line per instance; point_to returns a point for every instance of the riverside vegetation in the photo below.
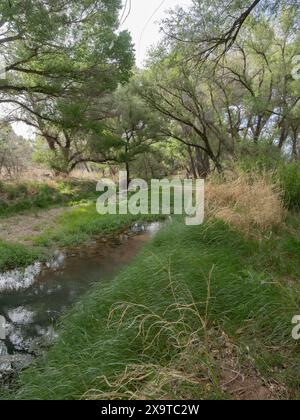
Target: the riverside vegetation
pixel 202 312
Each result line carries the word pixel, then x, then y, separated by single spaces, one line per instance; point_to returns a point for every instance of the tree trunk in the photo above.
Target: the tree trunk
pixel 296 144
pixel 128 173
pixel 203 164
pixel 193 165
pixel 283 136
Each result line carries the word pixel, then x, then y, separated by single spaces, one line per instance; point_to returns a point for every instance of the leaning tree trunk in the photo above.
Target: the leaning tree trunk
pixel 128 173
pixel 203 163
pixel 193 164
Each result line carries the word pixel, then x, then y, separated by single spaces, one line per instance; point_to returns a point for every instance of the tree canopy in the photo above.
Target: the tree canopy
pixel 223 78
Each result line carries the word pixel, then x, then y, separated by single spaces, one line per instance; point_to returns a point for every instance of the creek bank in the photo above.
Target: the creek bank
pixel 33 300
pixel 95 355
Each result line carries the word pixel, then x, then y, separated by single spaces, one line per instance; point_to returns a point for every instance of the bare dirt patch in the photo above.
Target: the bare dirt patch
pixel 244 382
pixel 249 387
pixel 22 228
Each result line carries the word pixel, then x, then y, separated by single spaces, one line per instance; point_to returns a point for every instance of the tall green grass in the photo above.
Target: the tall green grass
pixel 289 179
pixel 16 255
pixel 82 223
pixel 249 300
pixel 263 158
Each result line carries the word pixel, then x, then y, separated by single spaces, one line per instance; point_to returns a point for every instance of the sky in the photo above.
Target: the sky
pixel 142 23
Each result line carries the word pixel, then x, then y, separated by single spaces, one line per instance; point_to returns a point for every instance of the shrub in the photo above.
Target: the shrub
pixel 289 178
pixel 261 157
pixel 247 201
pixel 15 255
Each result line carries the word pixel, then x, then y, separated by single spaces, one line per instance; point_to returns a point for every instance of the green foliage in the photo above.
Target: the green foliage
pixel 16 256
pixel 262 157
pixel 51 159
pixel 15 198
pixel 82 223
pixel 64 58
pixel 244 107
pixel 66 44
pixel 289 178
pixel 249 97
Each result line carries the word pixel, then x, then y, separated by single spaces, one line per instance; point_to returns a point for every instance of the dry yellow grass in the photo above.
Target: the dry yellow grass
pixel 247 202
pixel 39 174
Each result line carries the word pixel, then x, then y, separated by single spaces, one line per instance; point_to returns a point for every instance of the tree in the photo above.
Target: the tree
pixel 63 58
pixel 15 155
pixel 260 67
pixel 212 29
pixel 135 125
pixel 249 95
pixel 192 115
pixel 51 48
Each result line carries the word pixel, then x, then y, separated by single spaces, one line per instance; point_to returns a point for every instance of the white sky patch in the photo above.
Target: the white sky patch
pixel 143 24
pixel 145 32
pixel 22 129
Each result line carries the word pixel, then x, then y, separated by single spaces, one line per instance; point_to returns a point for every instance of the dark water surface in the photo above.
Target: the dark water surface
pixel 32 302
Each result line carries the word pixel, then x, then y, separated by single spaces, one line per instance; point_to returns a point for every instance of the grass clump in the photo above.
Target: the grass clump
pixel 263 158
pixel 185 332
pixel 289 178
pixel 15 255
pixel 248 202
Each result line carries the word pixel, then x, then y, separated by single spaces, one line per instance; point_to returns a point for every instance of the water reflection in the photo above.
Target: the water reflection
pixel 33 300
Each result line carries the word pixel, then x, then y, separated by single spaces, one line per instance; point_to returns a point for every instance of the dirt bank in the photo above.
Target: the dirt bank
pixel 24 227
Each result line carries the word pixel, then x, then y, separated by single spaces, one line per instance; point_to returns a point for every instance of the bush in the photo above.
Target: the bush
pixel 15 255
pixel 261 157
pixel 289 178
pixel 248 201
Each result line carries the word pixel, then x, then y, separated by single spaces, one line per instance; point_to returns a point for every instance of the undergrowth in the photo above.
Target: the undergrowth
pixel 25 196
pixel 16 255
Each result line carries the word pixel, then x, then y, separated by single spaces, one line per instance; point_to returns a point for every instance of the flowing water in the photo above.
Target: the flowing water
pixel 32 300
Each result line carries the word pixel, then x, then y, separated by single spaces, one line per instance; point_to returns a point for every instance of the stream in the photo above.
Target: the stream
pixel 34 299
